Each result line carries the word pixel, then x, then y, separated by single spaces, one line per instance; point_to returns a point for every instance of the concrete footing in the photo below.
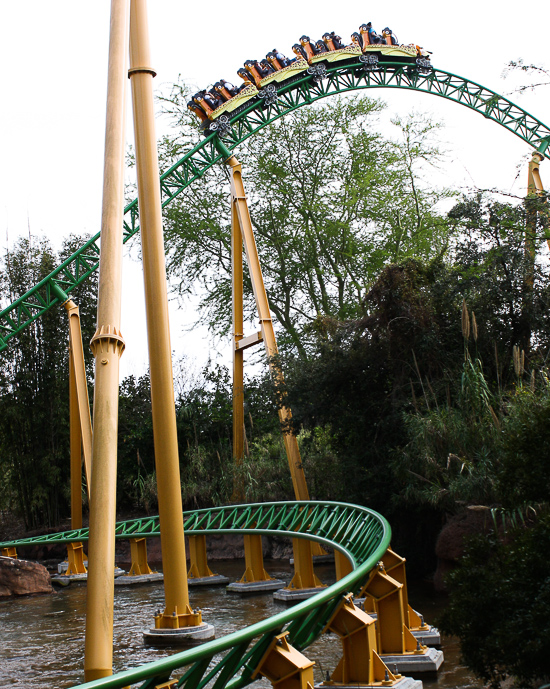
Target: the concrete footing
pixel 250 587
pixel 65 580
pixel 318 559
pixel 428 637
pixel 135 579
pixel 214 580
pixel 414 663
pixel 401 683
pixel 185 636
pixel 295 595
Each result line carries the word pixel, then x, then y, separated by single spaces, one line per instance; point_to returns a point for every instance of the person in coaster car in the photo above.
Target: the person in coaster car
pixel 198 111
pixel 337 41
pixel 229 87
pixel 369 35
pixel 388 37
pixel 321 47
pixel 308 46
pixel 264 68
pixel 245 76
pixel 299 51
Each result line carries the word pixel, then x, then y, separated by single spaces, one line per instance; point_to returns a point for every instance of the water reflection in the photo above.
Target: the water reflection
pixel 42 638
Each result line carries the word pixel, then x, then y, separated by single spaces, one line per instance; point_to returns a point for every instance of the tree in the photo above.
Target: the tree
pixel 34 388
pixel 331 202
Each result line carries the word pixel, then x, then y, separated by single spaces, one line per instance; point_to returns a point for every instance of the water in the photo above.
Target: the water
pixel 42 637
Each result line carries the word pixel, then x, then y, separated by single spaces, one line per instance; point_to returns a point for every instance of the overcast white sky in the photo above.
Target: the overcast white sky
pixel 52 119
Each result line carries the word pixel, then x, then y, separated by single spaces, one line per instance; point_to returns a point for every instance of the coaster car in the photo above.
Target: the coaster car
pixel 260 77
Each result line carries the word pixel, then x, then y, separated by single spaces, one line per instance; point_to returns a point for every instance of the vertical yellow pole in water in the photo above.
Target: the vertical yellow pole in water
pixel 238 362
pixel 107 346
pixel 177 612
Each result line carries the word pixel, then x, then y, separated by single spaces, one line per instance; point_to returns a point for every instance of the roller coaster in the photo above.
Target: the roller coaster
pixel 235 128
pixel 361 535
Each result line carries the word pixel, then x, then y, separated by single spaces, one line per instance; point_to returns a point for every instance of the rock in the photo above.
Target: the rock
pixel 23 578
pixel 449 546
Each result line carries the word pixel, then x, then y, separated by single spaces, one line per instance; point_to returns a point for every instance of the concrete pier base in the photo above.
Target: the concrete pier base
pixel 428 637
pixel 136 579
pixel 251 587
pixel 66 579
pixel 318 559
pixel 214 580
pixel 295 595
pixel 185 636
pixel 414 663
pixel 401 683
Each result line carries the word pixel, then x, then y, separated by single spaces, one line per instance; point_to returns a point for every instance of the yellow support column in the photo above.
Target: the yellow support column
pixel 76 558
pixel 9 552
pixel 284 666
pixel 395 642
pixel 178 619
pixel 394 565
pixel 138 552
pixel 80 435
pixel 360 663
pixel 198 562
pixel 255 576
pixel 304 578
pixel 107 347
pixel 342 564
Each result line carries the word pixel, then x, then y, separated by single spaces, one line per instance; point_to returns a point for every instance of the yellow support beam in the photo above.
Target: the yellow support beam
pixel 198 563
pixel 107 347
pixel 386 599
pixel 242 233
pixel 138 554
pixel 177 613
pixel 75 558
pixel 254 561
pixel 342 565
pixel 395 566
pixel 9 552
pixel 284 666
pixel 360 663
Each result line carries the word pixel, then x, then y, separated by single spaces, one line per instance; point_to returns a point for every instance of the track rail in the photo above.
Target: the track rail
pixel 292 94
pixel 359 533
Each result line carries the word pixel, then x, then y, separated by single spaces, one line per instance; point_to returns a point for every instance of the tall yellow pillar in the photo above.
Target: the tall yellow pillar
pixel 107 346
pixel 177 614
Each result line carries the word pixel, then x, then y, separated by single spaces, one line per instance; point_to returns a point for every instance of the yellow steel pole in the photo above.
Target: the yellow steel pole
pixel 238 354
pixel 177 612
pixel 107 346
pixel 76 450
pixel 303 563
pixel 266 324
pixel 82 404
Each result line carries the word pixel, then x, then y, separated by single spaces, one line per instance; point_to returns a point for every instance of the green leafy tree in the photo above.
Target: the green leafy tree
pixel 500 606
pixel 331 202
pixel 34 389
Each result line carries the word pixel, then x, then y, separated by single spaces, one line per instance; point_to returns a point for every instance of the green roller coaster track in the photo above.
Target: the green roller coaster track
pixel 357 532
pixel 291 95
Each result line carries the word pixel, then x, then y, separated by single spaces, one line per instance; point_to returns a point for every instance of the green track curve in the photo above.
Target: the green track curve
pixel 292 94
pixel 229 662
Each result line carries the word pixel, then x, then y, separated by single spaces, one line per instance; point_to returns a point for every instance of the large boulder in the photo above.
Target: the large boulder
pixel 451 541
pixel 23 578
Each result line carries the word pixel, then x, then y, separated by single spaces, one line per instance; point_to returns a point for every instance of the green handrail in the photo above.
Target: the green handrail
pixel 359 533
pixel 293 94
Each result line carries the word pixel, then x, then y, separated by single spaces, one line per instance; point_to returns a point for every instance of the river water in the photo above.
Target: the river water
pixel 42 637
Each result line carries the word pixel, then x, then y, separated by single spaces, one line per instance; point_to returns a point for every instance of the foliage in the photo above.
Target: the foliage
pixel 524 469
pixel 331 202
pixel 34 389
pixel 500 606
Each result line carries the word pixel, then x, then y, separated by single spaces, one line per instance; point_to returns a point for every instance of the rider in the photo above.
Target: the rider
pixel 388 36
